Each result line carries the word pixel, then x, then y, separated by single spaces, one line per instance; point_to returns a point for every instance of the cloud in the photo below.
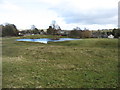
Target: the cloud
pixel 24 14
pixel 90 17
pixel 67 13
pixel 86 13
pixel 8 6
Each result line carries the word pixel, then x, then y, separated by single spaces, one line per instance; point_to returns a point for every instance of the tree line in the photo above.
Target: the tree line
pixel 54 29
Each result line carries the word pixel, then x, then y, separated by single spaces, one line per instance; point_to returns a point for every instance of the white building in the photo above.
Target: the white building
pixel 111 36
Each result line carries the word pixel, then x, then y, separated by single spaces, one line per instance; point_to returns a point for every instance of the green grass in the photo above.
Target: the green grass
pixel 86 63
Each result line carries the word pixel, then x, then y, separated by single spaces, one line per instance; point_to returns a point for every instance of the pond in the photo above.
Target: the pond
pixel 46 40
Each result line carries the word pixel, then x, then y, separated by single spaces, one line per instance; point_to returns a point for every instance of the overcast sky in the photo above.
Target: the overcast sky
pixel 90 14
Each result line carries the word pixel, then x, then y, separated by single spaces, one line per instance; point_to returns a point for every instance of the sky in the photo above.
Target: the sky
pixel 68 14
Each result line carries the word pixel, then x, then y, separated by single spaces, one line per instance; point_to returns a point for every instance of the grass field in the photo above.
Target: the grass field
pixel 86 63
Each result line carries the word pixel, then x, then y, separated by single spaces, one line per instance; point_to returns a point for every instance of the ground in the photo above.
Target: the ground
pixel 86 63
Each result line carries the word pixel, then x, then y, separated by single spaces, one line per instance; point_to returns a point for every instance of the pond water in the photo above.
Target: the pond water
pixel 46 40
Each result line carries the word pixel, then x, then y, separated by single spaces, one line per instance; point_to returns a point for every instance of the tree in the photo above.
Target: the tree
pixel 33 27
pixel 34 30
pixel 42 32
pixel 9 30
pixel 75 33
pixel 50 30
pixel 53 28
pixel 86 34
pixel 116 33
pixel 77 28
pixel 55 25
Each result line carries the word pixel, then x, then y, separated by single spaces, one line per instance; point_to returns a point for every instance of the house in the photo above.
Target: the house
pixel 63 32
pixel 111 36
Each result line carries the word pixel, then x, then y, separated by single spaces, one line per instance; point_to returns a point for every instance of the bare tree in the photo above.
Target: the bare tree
pixel 53 24
pixel 33 27
pixel 77 28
